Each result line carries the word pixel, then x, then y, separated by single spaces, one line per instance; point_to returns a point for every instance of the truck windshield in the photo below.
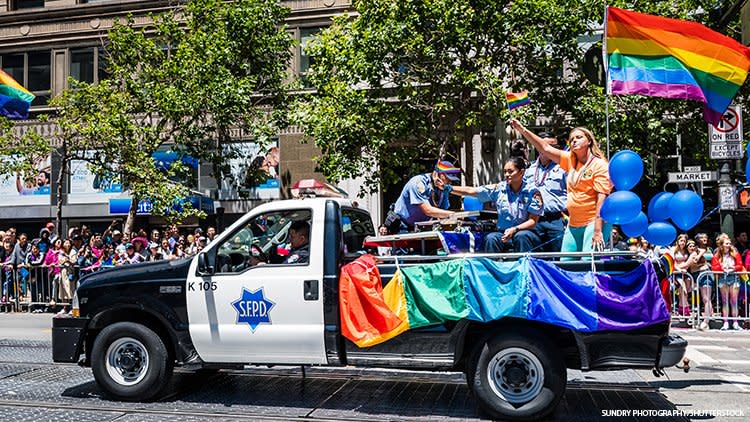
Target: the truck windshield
pixel 356 225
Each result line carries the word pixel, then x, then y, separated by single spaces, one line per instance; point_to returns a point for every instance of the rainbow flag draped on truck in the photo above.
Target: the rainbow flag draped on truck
pixel 480 289
pixel 661 57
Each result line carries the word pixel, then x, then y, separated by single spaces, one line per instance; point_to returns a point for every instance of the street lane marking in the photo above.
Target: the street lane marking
pixel 714 347
pixel 740 381
pixel 698 358
pixel 734 362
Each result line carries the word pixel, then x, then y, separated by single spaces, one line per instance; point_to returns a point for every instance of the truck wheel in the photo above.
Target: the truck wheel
pixel 130 362
pixel 517 376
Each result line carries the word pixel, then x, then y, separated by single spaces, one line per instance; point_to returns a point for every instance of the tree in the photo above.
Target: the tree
pixel 401 79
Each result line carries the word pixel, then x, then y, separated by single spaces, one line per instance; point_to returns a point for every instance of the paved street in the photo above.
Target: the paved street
pixel 33 388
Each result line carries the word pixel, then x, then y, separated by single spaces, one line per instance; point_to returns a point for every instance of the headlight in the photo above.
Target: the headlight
pixel 76 312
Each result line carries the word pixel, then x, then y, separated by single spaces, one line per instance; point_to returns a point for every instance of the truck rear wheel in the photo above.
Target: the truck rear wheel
pixel 130 362
pixel 517 376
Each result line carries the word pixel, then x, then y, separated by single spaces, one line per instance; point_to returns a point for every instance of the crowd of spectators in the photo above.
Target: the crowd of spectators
pixel 47 266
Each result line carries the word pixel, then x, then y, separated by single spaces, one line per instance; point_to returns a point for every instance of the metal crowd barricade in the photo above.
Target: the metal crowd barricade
pixel 39 288
pixel 708 282
pixel 682 283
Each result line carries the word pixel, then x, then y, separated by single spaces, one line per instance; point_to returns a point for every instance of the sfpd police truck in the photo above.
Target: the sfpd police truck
pixel 266 291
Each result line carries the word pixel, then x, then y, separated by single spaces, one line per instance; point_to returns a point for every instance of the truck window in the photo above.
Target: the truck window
pixel 267 239
pixel 356 226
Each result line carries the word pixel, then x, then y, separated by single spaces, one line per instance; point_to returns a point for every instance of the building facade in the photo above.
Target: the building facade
pixel 43 42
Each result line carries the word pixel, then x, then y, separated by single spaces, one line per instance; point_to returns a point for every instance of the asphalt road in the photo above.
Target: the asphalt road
pixel 33 388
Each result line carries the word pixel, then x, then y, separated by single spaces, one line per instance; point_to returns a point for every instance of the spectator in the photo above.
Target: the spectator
pixel 52 232
pixel 192 245
pixel 51 260
pixel 86 260
pixel 618 243
pixel 645 250
pixel 727 261
pixel 154 254
pixel 210 234
pixel 131 256
pixel 34 259
pixel 165 251
pixel 6 254
pixel 683 284
pixel 67 259
pixel 18 258
pixel 44 242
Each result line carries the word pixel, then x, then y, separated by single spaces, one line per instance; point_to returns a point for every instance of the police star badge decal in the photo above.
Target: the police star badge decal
pixel 253 308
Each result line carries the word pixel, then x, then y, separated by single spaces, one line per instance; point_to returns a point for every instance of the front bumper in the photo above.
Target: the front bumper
pixel 67 339
pixel 672 350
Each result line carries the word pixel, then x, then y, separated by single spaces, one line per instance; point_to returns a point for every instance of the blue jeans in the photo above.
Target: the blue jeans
pixel 578 239
pixel 550 231
pixel 522 241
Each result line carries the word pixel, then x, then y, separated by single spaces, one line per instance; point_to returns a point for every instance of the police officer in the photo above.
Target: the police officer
pixel 547 176
pixel 299 240
pixel 424 196
pixel 519 206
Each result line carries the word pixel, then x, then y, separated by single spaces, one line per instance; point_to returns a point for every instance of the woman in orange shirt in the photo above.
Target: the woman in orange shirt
pixel 588 186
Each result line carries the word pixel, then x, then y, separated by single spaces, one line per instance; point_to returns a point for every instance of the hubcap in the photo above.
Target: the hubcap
pixel 515 375
pixel 127 361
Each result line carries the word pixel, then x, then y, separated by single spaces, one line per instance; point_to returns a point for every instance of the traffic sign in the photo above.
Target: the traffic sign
pixel 727 198
pixel 725 138
pixel 688 177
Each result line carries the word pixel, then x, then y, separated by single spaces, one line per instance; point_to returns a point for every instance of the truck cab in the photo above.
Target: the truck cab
pixel 256 295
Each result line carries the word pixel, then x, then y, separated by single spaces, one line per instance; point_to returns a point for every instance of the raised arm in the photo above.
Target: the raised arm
pixel 464 190
pixel 548 150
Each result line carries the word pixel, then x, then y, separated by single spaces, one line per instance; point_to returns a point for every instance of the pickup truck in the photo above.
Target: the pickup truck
pixel 133 324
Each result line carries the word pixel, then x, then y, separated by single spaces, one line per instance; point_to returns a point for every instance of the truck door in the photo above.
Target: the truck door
pixel 264 303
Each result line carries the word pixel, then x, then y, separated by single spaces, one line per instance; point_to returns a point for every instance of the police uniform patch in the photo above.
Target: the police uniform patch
pixel 421 187
pixel 537 201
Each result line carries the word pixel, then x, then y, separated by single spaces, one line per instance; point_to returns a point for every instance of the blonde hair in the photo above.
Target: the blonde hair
pixel 720 239
pixel 593 145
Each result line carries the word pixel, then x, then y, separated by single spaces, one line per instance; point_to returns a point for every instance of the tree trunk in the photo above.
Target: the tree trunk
pixel 130 222
pixel 60 178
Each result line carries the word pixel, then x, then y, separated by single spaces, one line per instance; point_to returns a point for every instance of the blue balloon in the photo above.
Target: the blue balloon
pixel 658 206
pixel 636 227
pixel 660 233
pixel 621 207
pixel 625 169
pixel 686 209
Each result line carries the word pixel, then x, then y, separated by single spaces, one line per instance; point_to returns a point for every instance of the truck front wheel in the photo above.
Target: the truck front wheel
pixel 517 376
pixel 130 361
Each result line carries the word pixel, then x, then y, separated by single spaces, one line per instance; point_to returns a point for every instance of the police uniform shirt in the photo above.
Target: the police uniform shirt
pixel 512 208
pixel 419 190
pixel 299 255
pixel 551 182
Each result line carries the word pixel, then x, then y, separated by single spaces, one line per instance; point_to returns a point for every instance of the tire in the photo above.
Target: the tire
pixel 130 362
pixel 517 375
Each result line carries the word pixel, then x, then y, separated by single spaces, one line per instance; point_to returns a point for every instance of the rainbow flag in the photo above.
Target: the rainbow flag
pixel 480 289
pixel 661 57
pixel 517 99
pixel 15 100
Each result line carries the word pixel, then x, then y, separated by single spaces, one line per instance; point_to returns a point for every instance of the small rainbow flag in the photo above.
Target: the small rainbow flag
pixel 667 260
pixel 15 100
pixel 669 58
pixel 517 99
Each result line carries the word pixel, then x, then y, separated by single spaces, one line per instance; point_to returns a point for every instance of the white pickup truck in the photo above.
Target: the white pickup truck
pixel 133 324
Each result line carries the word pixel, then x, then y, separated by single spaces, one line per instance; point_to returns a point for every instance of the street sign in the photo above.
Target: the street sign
pixel 725 138
pixel 697 176
pixel 727 198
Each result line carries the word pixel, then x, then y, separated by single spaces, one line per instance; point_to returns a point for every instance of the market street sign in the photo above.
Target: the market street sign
pixel 698 176
pixel 725 138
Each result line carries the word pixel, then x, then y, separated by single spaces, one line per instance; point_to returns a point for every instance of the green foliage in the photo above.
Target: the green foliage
pixel 402 79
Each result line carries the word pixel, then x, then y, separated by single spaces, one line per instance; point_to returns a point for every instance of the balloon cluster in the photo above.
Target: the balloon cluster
pixel 623 207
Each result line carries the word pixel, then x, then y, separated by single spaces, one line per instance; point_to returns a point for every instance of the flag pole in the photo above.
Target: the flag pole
pixel 607 88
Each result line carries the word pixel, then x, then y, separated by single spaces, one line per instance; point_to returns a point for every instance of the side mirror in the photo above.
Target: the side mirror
pixel 203 268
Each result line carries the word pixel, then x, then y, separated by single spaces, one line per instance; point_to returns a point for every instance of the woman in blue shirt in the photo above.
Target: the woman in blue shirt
pixel 518 204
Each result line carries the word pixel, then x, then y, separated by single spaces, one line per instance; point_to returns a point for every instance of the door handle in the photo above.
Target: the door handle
pixel 311 290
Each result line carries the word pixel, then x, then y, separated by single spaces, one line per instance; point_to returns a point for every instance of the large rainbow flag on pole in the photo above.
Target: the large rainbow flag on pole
pixel 15 100
pixel 661 57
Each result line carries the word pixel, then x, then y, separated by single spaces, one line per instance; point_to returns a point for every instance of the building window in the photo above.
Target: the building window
pixel 88 64
pixel 32 70
pixel 305 61
pixel 27 4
